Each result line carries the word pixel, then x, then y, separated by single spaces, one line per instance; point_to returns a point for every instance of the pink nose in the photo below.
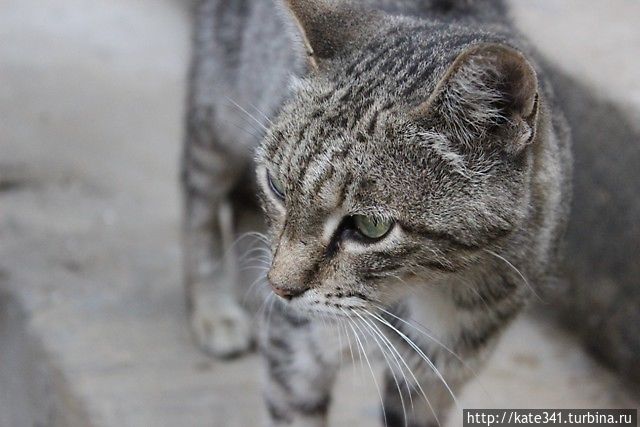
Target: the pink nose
pixel 286 292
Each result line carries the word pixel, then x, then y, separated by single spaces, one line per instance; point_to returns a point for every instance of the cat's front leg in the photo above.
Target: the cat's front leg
pixel 219 324
pixel 407 404
pixel 300 369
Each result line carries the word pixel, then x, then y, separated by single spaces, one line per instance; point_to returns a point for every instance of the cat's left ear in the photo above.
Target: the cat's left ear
pixel 329 28
pixel 489 93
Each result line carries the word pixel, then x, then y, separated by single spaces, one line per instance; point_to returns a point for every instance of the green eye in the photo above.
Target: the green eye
pixel 371 227
pixel 276 186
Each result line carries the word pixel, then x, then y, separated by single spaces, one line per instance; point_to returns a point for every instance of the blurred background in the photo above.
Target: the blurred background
pixel 92 325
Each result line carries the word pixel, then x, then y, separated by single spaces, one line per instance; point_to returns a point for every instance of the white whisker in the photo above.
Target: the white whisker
pixel 261 113
pixel 247 113
pixel 422 355
pixel 391 369
pixel 415 379
pixel 513 267
pixel 373 375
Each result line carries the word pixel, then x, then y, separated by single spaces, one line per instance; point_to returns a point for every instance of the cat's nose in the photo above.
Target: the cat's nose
pixel 292 269
pixel 288 292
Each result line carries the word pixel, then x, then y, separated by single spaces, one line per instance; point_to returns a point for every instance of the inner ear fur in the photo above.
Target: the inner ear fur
pixel 489 92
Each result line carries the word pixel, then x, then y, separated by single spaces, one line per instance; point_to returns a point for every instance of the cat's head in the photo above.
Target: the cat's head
pixel 403 154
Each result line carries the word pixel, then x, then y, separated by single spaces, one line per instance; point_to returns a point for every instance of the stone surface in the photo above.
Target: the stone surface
pixel 92 325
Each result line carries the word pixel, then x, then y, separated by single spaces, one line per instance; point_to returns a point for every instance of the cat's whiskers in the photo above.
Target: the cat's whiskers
pixel 417 385
pixel 399 358
pixel 262 309
pixel 346 331
pixel 514 268
pixel 404 362
pixel 337 321
pixel 421 329
pixel 262 253
pixel 254 234
pixel 419 351
pixel 257 249
pixel 220 93
pixel 323 319
pixel 472 288
pixel 257 263
pixel 228 252
pixel 260 265
pixel 273 299
pixel 224 258
pixel 367 327
pixel 373 376
pixel 257 137
pixel 261 280
pixel 251 116
pixel 261 113
pixel 360 358
pixel 257 260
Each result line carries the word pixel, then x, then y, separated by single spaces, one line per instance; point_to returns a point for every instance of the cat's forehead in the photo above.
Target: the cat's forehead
pixel 340 133
pixel 399 68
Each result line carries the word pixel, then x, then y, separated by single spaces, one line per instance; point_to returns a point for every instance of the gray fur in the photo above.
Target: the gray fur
pixel 428 113
pixel 425 122
pixel 220 141
pixel 600 293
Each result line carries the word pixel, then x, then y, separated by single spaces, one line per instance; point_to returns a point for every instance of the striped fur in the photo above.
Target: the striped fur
pixel 431 114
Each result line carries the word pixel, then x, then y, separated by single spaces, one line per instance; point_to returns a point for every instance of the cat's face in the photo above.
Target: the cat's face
pixel 369 189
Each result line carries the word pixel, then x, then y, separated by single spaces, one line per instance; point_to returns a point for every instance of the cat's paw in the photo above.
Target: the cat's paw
pixel 223 330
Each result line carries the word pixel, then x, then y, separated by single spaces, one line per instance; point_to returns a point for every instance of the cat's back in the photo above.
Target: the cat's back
pixel 602 293
pixel 241 63
pixel 246 47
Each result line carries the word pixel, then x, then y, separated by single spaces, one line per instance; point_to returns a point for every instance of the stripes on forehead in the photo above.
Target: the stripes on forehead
pixel 290 132
pixel 332 166
pixel 407 57
pixel 388 70
pixel 351 110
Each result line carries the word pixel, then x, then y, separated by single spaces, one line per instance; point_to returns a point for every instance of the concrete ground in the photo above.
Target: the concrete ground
pixel 92 325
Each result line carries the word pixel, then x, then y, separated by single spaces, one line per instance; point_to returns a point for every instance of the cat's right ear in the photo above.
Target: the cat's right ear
pixel 329 28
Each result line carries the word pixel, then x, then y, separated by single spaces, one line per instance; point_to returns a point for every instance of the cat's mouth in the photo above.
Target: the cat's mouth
pixel 315 302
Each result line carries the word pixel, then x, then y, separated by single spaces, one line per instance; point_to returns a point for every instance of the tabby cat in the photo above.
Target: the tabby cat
pixel 414 172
